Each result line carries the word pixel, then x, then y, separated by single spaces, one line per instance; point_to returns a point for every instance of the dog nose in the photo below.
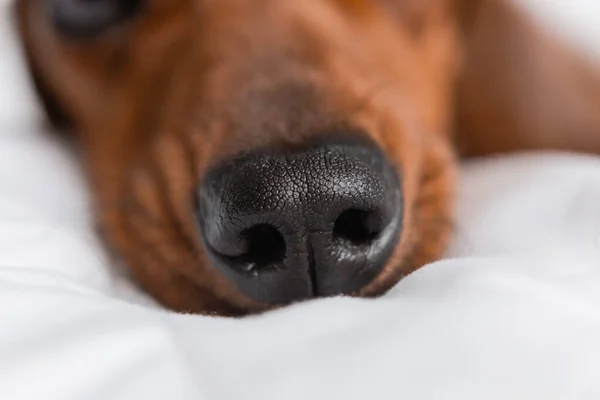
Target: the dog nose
pixel 312 222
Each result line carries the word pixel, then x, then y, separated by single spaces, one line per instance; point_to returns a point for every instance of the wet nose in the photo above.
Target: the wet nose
pixel 289 225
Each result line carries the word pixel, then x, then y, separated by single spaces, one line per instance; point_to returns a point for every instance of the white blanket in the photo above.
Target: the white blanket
pixel 514 314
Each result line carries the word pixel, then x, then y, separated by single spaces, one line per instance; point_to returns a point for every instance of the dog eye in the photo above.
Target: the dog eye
pixel 85 19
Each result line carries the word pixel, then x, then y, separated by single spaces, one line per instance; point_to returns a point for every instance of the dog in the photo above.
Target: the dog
pixel 248 154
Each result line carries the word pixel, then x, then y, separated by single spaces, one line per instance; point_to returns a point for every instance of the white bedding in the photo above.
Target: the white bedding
pixel 513 313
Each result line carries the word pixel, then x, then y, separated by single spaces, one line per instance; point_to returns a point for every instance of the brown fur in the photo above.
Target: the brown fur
pixel 186 84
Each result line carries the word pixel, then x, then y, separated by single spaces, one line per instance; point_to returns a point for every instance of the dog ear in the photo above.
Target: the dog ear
pixel 54 112
pixel 520 87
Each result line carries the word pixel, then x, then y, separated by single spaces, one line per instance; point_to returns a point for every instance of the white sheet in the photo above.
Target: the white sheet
pixel 515 314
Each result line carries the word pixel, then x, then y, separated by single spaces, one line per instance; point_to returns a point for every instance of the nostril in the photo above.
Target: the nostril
pixel 265 246
pixel 359 227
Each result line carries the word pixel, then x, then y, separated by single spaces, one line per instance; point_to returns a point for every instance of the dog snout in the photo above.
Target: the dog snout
pixel 288 225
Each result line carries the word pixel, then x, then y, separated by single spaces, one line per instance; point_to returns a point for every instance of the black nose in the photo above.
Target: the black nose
pixel 291 225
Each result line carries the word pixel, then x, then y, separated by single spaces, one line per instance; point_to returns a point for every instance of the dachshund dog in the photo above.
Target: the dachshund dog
pixel 248 154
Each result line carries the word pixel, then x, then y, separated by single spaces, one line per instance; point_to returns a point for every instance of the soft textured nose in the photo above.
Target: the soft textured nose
pixel 291 225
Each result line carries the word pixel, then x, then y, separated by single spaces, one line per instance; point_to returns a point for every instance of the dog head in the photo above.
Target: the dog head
pixel 245 154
